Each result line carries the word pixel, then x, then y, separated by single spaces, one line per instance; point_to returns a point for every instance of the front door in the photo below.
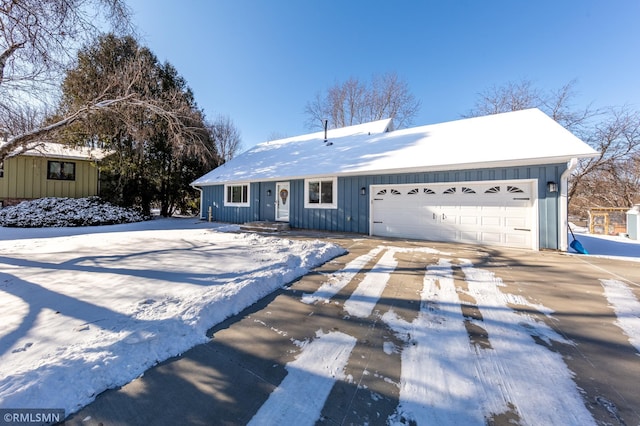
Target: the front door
pixel 282 201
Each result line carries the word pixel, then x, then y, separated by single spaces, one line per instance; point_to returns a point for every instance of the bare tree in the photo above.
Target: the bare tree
pixel 37 40
pixel 118 95
pixel 608 180
pixel 226 137
pixel 37 36
pixel 275 135
pixel 513 96
pixel 516 96
pixel 354 102
pixel 617 139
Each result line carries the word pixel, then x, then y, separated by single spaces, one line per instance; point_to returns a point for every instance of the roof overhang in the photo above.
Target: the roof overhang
pixel 425 169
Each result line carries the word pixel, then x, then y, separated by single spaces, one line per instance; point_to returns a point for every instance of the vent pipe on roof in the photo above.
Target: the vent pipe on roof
pixel 326 123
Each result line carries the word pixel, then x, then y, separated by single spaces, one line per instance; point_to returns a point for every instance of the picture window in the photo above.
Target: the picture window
pixel 321 193
pixel 237 195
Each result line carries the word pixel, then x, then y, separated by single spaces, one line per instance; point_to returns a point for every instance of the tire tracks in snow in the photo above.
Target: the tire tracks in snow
pixel 462 361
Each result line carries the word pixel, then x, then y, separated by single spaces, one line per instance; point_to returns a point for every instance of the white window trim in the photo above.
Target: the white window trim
pixel 334 195
pixel 231 204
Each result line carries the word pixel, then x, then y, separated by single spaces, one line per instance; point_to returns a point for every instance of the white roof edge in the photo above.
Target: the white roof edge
pixel 519 138
pixel 438 168
pixel 58 150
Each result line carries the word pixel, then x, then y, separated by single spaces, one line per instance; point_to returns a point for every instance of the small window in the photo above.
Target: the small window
pixel 413 191
pixel 382 192
pixel 61 170
pixel 514 189
pixel 1 169
pixel 321 193
pixel 428 191
pixel 237 195
pixel 395 192
pixel 451 190
pixel 466 190
pixel 492 190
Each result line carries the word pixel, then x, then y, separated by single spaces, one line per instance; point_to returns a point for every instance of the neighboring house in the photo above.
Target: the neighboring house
pixel 49 170
pixel 494 180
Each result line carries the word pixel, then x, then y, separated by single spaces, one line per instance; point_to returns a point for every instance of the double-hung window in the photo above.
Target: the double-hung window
pixel 236 195
pixel 321 193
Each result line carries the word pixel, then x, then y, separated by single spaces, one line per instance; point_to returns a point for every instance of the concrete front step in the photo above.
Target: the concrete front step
pixel 265 226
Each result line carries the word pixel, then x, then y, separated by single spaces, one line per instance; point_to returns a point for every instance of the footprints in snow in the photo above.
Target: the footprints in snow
pixel 22 349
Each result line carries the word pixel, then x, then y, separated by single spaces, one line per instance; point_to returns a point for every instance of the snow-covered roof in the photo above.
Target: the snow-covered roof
pixel 57 150
pixel 517 138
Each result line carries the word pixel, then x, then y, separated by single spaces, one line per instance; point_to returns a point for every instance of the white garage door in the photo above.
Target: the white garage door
pixel 492 213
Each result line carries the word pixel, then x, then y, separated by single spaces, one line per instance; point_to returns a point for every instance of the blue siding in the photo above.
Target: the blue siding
pixel 352 214
pixel 213 197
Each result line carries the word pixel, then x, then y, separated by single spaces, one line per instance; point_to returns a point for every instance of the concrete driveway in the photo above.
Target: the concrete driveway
pixel 251 358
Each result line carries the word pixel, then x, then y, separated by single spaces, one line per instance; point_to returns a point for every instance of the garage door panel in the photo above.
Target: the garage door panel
pixel 468 236
pixel 516 222
pixel 490 221
pixel 517 240
pixel 469 220
pixel 496 213
pixel 491 237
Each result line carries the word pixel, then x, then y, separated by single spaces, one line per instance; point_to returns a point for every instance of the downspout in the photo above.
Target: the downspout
pixel 563 217
pixel 199 190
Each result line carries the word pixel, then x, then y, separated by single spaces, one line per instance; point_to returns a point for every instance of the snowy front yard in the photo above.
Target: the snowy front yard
pixel 91 308
pixel 87 309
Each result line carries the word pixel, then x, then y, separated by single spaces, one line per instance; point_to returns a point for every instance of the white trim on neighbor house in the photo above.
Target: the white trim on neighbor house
pixel 238 197
pixel 58 150
pixel 318 198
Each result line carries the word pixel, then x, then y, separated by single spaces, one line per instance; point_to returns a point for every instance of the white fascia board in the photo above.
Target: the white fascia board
pixel 422 169
pixel 465 166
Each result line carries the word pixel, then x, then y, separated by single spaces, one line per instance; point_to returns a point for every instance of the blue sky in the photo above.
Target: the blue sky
pixel 261 61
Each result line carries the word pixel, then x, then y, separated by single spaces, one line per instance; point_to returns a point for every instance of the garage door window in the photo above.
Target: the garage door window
pixel 320 193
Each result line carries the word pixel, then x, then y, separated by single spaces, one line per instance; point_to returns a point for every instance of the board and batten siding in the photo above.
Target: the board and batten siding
pixel 352 212
pixel 213 197
pixel 25 177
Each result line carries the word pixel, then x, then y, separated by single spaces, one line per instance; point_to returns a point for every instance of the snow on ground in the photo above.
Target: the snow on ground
pixel 337 281
pixel 609 246
pixel 457 381
pixel 57 212
pixel 90 308
pixel 626 307
pixel 365 297
pixel 468 383
pixel 87 309
pixel 301 396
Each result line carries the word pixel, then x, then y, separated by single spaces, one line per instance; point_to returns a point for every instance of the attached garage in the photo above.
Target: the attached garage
pixel 499 180
pixel 500 213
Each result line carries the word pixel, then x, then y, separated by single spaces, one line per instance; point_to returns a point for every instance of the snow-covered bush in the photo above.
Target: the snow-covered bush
pixel 57 212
